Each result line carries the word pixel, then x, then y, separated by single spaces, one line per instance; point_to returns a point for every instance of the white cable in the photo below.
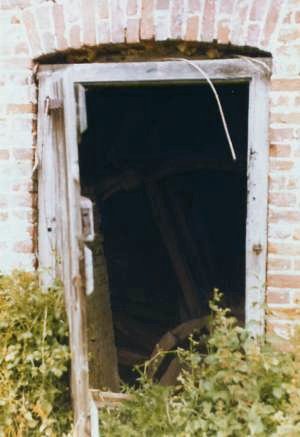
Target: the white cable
pixel 192 64
pixel 254 61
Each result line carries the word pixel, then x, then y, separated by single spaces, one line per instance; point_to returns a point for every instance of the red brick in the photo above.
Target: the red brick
pixel 194 6
pixel 59 26
pixel 284 216
pixel 207 32
pixel 280 165
pixel 89 22
pixel 289 118
pixel 238 27
pixel 147 20
pixel 3 246
pixel 23 247
pixel 286 313
pixel 48 41
pixel 3 216
pixel 223 32
pixel 280 150
pixel 281 134
pixel 289 35
pixel 283 199
pixel 3 201
pixel 22 49
pixel 104 10
pixel 23 154
pixel 32 33
pixel 192 28
pixel 103 32
pixel 132 7
pixel 21 200
pixel 21 108
pixel 75 36
pixel 277 297
pixel 43 16
pixel 176 19
pixel 279 264
pixel 226 6
pixel 253 34
pixel 284 281
pixel 117 26
pixel 284 249
pixel 271 20
pixel 258 10
pixel 285 84
pixel 277 182
pixel 4 154
pixel 132 30
pixel 162 4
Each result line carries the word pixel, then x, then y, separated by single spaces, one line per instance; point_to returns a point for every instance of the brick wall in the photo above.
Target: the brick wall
pixel 30 28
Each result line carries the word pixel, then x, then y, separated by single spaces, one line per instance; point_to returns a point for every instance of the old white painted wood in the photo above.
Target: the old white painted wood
pixel 46 188
pixel 257 204
pixel 59 199
pixel 161 71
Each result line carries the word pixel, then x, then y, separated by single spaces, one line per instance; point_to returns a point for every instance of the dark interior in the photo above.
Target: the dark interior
pixel 157 163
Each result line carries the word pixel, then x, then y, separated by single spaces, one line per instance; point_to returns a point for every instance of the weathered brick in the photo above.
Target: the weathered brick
pixel 192 28
pixel 176 19
pixel 162 4
pixel 132 30
pixel 284 85
pixel 74 36
pixel 23 246
pixel 226 6
pixel 4 154
pixel 286 118
pixel 281 134
pixel 89 22
pixel 279 263
pixel 103 32
pixel 278 297
pixel 283 199
pixel 117 25
pixel 32 32
pixel 271 21
pixel 223 32
pixel 288 217
pixel 147 20
pixel 280 165
pixel 59 26
pixel 284 249
pixel 104 9
pixel 207 31
pixel 253 33
pixel 280 150
pixel 257 10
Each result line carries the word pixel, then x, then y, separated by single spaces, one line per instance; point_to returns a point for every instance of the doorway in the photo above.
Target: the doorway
pixel 170 208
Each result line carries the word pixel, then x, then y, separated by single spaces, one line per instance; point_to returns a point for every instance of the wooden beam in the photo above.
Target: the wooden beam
pixel 168 234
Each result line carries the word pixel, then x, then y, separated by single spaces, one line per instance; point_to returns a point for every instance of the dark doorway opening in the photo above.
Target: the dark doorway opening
pixel 170 211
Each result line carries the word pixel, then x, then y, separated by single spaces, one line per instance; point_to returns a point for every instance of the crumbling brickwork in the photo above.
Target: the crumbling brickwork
pixel 31 28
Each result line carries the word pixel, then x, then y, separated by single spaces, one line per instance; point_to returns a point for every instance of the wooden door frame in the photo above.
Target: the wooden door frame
pixel 254 71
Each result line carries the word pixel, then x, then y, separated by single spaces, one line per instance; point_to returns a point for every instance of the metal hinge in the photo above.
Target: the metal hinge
pixel 52 105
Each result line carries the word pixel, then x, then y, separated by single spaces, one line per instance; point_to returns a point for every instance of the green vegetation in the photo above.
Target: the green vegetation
pixel 230 384
pixel 236 387
pixel 34 359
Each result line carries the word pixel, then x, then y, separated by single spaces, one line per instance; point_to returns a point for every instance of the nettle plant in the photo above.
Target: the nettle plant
pixel 34 359
pixel 236 386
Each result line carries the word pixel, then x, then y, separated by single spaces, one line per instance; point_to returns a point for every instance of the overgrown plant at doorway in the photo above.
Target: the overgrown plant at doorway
pixel 235 387
pixel 34 359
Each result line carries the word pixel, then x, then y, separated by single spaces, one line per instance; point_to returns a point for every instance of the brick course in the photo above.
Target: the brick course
pixel 30 28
